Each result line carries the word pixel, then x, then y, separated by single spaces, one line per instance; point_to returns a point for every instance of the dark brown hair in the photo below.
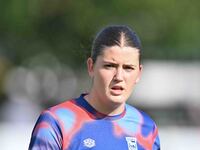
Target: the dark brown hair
pixel 119 35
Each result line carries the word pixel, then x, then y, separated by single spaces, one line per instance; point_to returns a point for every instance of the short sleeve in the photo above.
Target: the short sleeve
pixel 156 145
pixel 46 133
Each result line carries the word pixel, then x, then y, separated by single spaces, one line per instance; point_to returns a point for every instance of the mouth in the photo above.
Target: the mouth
pixel 117 90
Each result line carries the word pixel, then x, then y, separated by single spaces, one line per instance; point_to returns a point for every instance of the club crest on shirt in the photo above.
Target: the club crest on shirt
pixel 89 143
pixel 132 143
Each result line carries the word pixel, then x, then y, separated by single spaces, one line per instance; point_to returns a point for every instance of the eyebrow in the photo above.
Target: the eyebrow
pixel 109 62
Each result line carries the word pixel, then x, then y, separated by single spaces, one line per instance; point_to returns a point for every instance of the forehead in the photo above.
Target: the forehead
pixel 120 54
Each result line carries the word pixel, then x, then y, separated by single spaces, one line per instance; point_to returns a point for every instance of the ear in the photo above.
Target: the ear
pixel 139 74
pixel 90 66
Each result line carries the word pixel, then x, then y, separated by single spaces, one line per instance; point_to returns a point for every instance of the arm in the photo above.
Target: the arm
pixel 46 133
pixel 156 145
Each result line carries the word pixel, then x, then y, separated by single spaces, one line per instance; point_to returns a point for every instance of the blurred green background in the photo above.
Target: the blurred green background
pixel 169 29
pixel 58 34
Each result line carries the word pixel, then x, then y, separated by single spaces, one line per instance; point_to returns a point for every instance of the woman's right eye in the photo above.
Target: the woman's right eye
pixel 108 66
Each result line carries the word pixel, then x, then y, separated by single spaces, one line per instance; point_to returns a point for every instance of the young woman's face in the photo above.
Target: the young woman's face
pixel 114 74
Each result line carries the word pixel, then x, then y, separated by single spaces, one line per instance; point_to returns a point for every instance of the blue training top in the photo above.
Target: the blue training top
pixel 76 125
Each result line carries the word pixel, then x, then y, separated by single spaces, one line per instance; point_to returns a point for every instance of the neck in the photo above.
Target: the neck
pixel 103 107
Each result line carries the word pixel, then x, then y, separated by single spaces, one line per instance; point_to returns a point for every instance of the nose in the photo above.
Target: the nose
pixel 118 74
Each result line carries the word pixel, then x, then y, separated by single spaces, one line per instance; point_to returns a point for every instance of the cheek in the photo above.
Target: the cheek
pixel 131 80
pixel 104 77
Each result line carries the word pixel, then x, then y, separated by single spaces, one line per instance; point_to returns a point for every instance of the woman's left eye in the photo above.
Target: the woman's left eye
pixel 128 68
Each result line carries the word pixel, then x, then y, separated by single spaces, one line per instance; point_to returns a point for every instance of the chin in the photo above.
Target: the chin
pixel 117 99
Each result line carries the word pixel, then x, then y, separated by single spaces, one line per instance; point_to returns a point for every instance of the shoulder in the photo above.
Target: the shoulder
pixel 65 107
pixel 140 116
pixel 61 117
pixel 146 125
pixel 57 114
pixel 66 111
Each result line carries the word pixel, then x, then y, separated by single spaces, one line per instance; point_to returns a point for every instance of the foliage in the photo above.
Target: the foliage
pixel 168 29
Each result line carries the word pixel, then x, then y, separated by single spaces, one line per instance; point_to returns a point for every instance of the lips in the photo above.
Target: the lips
pixel 117 90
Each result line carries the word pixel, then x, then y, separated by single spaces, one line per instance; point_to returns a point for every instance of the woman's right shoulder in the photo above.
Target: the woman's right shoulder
pixel 62 115
pixel 66 109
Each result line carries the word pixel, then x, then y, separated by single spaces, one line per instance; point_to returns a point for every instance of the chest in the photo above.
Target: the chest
pixel 103 135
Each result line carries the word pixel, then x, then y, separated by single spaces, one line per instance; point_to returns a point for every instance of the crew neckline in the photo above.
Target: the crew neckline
pixel 93 113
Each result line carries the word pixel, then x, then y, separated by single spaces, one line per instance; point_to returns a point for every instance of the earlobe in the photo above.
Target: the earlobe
pixel 90 66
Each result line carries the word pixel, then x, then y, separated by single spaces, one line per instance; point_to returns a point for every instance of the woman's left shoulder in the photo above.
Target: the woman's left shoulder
pixel 140 115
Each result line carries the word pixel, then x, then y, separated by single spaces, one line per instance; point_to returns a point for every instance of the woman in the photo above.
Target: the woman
pixel 101 119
